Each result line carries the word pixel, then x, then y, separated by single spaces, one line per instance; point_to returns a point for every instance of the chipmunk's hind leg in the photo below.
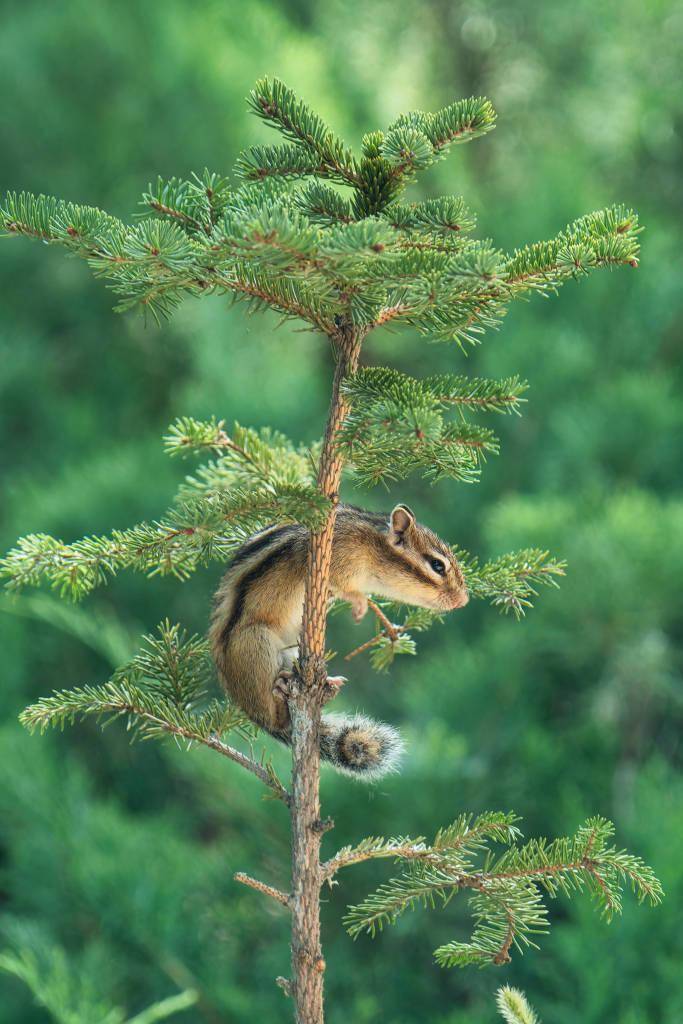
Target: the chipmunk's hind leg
pixel 254 662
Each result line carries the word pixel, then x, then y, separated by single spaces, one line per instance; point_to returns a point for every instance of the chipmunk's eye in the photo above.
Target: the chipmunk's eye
pixel 438 565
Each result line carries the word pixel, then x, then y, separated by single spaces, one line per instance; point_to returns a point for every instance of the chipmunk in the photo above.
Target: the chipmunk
pixel 257 619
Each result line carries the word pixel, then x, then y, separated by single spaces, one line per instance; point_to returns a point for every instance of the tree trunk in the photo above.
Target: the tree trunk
pixel 308 965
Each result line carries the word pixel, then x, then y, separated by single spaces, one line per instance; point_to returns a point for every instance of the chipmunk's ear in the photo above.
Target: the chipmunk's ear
pixel 401 522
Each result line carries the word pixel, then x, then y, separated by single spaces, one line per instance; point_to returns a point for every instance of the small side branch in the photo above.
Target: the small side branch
pixel 392 631
pixel 345 858
pixel 267 777
pixel 388 630
pixel 285 984
pixel 267 890
pixel 151 715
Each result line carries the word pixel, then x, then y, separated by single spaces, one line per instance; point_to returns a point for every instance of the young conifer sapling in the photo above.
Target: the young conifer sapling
pixel 324 236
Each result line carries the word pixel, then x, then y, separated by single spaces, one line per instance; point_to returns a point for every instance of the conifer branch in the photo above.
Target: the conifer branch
pixel 322 205
pixel 605 238
pixel 397 426
pixel 199 528
pixel 510 582
pixel 80 228
pixel 247 457
pixel 447 216
pixel 379 383
pixel 196 204
pixel 507 903
pixel 416 140
pixel 160 692
pixel 277 105
pixel 342 265
pixel 259 162
pixel 187 434
pixel 371 849
pixel 281 295
pixel 459 122
pixel 267 890
pixel 465 836
pixel 307 255
pixel 391 449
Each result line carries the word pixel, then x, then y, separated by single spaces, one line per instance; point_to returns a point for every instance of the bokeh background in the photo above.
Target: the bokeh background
pixel 123 855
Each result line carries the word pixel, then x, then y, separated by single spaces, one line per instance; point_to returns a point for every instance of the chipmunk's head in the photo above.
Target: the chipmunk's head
pixel 422 570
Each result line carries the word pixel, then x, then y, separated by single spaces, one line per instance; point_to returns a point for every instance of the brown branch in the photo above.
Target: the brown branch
pixel 267 890
pixel 267 778
pixel 185 218
pixel 390 629
pixel 503 954
pixel 364 647
pixel 405 851
pixel 393 632
pixel 308 965
pixel 409 851
pixel 276 302
pixel 214 743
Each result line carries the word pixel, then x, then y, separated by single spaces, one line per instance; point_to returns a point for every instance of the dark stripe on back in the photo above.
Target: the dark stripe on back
pixel 378 519
pixel 259 541
pixel 264 566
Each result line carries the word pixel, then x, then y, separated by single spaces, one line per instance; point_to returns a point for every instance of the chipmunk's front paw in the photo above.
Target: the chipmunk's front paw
pixel 359 605
pixel 332 687
pixel 282 687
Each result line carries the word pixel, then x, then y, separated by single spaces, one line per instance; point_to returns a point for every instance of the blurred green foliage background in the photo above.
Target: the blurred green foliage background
pixel 124 855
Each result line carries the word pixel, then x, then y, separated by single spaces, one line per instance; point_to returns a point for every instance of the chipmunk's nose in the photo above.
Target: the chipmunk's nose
pixel 460 599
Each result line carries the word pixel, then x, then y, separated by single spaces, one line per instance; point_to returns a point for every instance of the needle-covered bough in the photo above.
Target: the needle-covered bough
pixel 324 236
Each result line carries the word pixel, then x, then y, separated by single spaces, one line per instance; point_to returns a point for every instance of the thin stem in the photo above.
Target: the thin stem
pixel 390 629
pixel 503 954
pixel 364 647
pixel 179 215
pixel 289 308
pixel 267 890
pixel 267 778
pixel 308 965
pixel 410 851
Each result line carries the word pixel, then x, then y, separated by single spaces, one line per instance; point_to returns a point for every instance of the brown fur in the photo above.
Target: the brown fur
pixel 258 607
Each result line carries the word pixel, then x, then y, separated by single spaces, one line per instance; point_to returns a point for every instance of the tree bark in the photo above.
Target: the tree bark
pixel 308 965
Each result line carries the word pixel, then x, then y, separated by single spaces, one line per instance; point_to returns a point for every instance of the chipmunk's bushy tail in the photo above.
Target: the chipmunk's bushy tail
pixel 355 745
pixel 359 746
